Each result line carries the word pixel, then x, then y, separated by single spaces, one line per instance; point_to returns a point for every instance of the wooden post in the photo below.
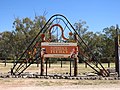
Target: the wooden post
pixel 37 62
pixel 49 63
pixel 42 66
pixel 61 63
pixel 109 64
pixel 11 71
pixel 46 65
pixel 73 63
pixel 42 61
pixel 85 65
pixel 75 68
pixel 5 62
pixel 70 67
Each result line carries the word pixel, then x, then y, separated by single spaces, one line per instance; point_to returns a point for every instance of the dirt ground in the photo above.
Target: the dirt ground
pixel 57 84
pixel 74 87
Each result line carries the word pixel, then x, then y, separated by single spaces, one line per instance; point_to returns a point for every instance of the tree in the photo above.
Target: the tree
pixel 5 44
pixel 107 42
pixel 16 41
pixel 80 27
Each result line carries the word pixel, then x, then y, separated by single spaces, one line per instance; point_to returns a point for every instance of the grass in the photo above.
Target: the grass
pixel 55 68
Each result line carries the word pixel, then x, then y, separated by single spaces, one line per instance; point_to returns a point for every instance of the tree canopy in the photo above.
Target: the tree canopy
pixel 13 43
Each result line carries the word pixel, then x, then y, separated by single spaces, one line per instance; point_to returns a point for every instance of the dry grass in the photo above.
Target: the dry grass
pixel 55 68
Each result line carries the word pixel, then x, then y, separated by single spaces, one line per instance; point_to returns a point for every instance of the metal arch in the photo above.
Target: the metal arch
pixel 63 22
pixel 60 28
pixel 81 39
pixel 44 30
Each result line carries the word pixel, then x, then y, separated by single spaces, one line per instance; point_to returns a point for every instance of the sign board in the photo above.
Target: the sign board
pixel 58 50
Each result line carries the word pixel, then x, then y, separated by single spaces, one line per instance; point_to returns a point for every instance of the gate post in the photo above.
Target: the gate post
pixel 43 51
pixel 75 67
pixel 46 65
pixel 42 66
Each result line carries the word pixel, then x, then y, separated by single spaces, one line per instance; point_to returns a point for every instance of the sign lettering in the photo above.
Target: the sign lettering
pixel 58 49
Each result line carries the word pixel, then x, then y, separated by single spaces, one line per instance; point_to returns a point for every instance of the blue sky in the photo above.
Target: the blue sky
pixel 98 14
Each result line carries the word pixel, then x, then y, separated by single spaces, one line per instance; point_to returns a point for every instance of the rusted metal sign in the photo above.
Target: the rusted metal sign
pixel 59 50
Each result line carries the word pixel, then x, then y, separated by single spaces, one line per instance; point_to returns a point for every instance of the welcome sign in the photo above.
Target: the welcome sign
pixel 62 50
